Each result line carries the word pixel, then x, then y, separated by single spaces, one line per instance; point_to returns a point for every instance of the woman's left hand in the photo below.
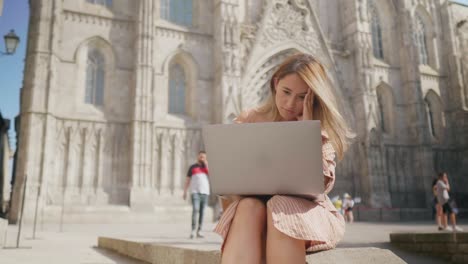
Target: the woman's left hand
pixel 307 108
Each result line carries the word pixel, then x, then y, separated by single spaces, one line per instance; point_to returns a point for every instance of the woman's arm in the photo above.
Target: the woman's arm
pixel 329 164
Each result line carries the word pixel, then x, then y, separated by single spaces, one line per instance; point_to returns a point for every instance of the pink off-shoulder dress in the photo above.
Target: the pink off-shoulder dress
pixel 316 222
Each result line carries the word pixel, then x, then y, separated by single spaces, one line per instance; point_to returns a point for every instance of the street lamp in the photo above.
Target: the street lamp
pixel 11 42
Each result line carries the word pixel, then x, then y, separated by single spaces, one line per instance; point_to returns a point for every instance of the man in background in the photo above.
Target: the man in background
pixel 197 181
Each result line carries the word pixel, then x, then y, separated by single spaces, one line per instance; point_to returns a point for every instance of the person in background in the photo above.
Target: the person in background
pixel 436 209
pixel 348 204
pixel 443 198
pixel 338 203
pixel 197 180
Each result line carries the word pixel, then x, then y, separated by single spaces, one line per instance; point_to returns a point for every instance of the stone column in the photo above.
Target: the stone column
pixel 454 52
pixel 179 160
pixel 413 105
pixel 101 196
pixel 454 40
pixel 37 134
pixel 142 117
pixel 226 60
pixel 356 28
pixel 166 164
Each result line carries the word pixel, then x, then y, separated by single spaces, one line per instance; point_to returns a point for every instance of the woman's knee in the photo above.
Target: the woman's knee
pixel 252 209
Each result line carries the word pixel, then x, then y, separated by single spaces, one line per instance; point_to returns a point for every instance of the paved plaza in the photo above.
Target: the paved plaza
pixel 77 243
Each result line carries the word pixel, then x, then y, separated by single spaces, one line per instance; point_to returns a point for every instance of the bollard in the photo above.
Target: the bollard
pixel 22 211
pixel 35 212
pixel 63 210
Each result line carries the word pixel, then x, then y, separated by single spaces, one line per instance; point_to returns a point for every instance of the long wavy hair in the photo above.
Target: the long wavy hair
pixel 325 107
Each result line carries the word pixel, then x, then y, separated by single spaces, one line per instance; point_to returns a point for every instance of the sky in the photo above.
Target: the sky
pixel 15 16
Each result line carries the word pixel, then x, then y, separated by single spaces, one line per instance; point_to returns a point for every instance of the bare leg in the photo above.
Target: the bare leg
pixel 444 220
pixel 443 216
pixel 281 248
pixel 246 239
pixel 438 215
pixel 351 216
pixel 453 220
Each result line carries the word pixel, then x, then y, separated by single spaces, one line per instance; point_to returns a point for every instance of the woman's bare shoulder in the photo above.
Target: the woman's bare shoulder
pixel 253 115
pixel 248 116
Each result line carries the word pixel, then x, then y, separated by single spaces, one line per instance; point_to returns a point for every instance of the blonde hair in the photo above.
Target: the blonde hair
pixel 325 107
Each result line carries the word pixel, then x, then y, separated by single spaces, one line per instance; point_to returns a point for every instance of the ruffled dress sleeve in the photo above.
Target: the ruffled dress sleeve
pixel 329 164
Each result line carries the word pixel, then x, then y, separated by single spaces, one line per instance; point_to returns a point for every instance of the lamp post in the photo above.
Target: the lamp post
pixel 11 43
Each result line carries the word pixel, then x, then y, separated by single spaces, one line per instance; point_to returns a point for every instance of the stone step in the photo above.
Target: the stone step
pixel 158 253
pixel 451 246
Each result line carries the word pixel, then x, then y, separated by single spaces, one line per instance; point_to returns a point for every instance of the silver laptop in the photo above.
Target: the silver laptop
pixel 265 158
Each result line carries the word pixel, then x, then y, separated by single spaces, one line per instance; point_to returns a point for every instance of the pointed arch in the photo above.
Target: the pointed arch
pixel 434 114
pixel 96 42
pixel 95 81
pixel 382 17
pixel 256 82
pixel 424 37
pixel 177 89
pixel 386 108
pixel 420 37
pixel 95 59
pixel 181 70
pixel 376 30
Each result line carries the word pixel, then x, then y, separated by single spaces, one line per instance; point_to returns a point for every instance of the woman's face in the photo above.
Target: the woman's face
pixel 290 93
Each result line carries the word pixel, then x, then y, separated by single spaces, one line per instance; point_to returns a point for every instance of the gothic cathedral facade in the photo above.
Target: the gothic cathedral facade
pixel 116 91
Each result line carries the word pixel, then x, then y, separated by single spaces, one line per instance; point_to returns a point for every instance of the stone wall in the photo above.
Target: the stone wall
pixel 449 246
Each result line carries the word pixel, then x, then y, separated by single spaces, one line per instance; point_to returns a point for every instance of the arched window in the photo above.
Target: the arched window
pixel 420 39
pixel 177 11
pixel 430 117
pixel 95 78
pixel 376 30
pixel 177 90
pixel 385 101
pixel 107 3
pixel 382 112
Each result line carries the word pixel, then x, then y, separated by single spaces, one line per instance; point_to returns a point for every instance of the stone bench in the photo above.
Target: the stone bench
pixel 450 246
pixel 167 254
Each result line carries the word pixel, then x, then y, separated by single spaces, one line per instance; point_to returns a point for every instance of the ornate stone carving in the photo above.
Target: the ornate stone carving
pixel 89 156
pixel 257 87
pixel 247 38
pixel 98 20
pixel 289 20
pixel 193 37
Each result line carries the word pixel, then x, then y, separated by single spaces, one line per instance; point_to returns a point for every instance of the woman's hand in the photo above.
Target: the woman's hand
pixel 307 108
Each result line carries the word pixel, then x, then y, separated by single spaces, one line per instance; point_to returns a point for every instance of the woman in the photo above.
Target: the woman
pixel 437 209
pixel 278 228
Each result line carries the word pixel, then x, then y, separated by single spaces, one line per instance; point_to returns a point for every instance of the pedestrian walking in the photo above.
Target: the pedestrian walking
pixel 198 183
